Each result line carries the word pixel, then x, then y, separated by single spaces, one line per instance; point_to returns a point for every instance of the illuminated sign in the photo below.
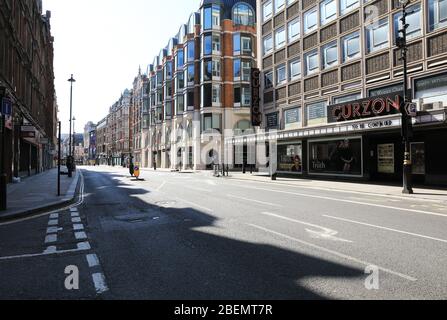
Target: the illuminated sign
pixel 365 108
pixel 256 115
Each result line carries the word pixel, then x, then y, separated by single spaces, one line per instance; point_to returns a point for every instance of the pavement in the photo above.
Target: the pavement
pixel 38 194
pixel 177 236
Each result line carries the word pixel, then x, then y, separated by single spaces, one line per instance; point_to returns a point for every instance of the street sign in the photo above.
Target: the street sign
pixel 6 106
pixel 411 109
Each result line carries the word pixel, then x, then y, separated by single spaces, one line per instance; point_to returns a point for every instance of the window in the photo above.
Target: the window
pixel 168 70
pixel 295 69
pixel 159 78
pixel 211 17
pixel 180 59
pixel 180 81
pixel 351 46
pixel 316 113
pixel 246 70
pixel 311 60
pixel 377 35
pixel 328 11
pixel 437 14
pixel 237 69
pixel 280 38
pixel 348 98
pixel 279 5
pixel 207 45
pixel 236 44
pixel 267 10
pixel 180 104
pixel 292 118
pixel 216 94
pixel 310 20
pixel 211 121
pixel 293 30
pixel 190 77
pixel 246 45
pixel 330 55
pixel 268 44
pixel 207 67
pixel 348 5
pixel 281 76
pixel 216 68
pixel 243 15
pixel 413 20
pixel 168 109
pixel 190 51
pixel 245 96
pixel 216 43
pixel 268 80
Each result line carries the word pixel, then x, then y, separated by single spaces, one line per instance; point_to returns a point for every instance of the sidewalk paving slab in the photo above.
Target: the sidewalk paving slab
pixel 38 194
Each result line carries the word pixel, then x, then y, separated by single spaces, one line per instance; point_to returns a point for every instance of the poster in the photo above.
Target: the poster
pixel 337 157
pixel 418 157
pixel 385 158
pixel 290 158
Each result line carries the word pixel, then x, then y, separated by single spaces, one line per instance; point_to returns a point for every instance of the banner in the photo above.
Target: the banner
pixel 256 115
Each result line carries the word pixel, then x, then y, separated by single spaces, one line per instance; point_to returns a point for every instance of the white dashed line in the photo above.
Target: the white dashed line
pixel 76 220
pixel 100 283
pixel 80 235
pixel 92 260
pixel 51 238
pixel 53 230
pixel 53 222
pixel 78 227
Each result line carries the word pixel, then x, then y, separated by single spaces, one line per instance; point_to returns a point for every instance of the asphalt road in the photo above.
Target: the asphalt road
pixel 193 236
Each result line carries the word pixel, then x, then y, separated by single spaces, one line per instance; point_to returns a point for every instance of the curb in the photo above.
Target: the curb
pixel 69 199
pixel 344 190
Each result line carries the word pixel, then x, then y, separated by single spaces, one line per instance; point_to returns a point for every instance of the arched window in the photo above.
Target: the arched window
pixel 243 15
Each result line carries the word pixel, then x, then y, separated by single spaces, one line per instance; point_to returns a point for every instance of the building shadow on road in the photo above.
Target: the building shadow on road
pixel 170 253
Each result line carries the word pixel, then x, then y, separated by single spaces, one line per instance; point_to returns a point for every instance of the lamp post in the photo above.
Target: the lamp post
pixel 69 165
pixel 74 140
pixel 406 119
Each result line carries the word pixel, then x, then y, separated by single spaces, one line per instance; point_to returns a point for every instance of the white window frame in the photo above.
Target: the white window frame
pixel 290 25
pixel 278 32
pixel 306 16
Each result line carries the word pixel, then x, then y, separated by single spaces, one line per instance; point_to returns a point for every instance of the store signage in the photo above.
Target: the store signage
pixel 6 107
pixel 431 82
pixel 28 128
pixel 292 115
pixel 365 108
pixel 272 120
pixel 372 125
pixel 256 115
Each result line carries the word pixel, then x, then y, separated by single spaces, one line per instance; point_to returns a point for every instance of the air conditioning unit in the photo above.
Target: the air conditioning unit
pixel 432 106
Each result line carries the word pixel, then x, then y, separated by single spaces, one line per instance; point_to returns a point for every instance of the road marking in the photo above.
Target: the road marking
pixel 92 260
pixel 78 227
pixel 80 235
pixel 255 201
pixel 385 228
pixel 51 238
pixel 325 233
pixel 75 214
pixel 76 220
pixel 53 230
pixel 84 246
pixel 48 252
pixel 73 209
pixel 335 253
pixel 54 216
pixel 346 201
pixel 196 205
pixel 100 283
pixel 161 186
pixel 53 222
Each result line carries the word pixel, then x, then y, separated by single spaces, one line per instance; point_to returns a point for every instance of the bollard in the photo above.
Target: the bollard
pixel 274 176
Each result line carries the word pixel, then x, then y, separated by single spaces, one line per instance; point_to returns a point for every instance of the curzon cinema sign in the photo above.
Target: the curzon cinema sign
pixel 365 108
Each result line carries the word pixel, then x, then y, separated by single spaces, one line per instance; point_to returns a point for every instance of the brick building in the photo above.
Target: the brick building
pixel 27 87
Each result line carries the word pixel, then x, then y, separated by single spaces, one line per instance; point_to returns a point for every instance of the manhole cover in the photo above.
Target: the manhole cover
pixel 166 203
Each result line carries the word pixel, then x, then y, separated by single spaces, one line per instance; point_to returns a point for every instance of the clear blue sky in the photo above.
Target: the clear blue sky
pixel 102 42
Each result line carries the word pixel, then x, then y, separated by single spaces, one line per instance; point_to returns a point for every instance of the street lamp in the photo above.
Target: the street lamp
pixel 74 139
pixel 69 164
pixel 407 126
